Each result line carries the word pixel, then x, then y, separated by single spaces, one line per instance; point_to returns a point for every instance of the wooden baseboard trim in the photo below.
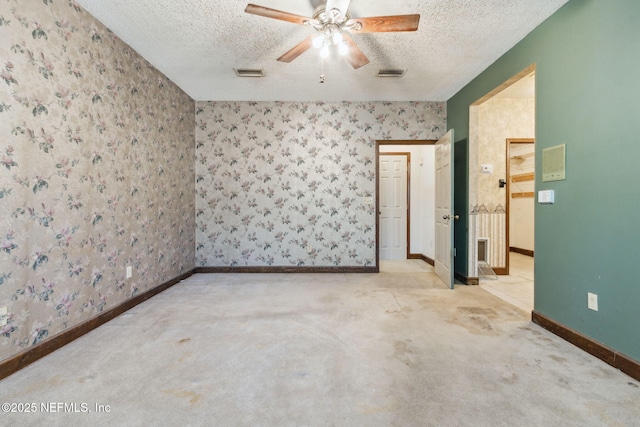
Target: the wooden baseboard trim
pixel 500 271
pixel 526 252
pixel 422 257
pixel 285 269
pixel 614 358
pixel 30 355
pixel 471 281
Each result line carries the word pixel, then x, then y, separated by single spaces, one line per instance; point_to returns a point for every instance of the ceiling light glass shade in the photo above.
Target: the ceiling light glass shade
pixel 317 41
pixel 337 37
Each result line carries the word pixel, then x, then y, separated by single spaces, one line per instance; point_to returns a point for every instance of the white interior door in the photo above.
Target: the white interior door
pixel 444 209
pixel 393 206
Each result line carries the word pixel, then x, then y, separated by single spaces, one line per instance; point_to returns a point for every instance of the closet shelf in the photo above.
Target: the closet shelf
pixel 522 195
pixel 523 177
pixel 523 156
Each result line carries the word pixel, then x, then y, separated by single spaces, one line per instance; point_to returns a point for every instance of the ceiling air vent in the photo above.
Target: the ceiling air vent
pixel 391 73
pixel 249 72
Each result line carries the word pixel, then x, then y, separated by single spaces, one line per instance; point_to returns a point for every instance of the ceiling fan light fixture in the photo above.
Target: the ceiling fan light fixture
pixel 391 73
pixel 318 41
pixel 249 72
pixel 333 20
pixel 337 37
pixel 336 15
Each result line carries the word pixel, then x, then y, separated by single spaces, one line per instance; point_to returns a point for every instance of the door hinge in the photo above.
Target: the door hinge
pixel 454 252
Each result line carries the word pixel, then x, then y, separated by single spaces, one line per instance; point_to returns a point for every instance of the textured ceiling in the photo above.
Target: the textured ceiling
pixel 198 43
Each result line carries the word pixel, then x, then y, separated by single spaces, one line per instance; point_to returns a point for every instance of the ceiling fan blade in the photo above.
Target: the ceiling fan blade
pixel 384 24
pixel 275 14
pixel 297 50
pixel 355 56
pixel 341 5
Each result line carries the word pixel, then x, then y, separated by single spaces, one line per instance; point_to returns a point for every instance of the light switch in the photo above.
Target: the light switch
pixel 546 197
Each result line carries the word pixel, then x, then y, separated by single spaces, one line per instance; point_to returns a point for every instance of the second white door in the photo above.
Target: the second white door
pixel 444 209
pixel 393 206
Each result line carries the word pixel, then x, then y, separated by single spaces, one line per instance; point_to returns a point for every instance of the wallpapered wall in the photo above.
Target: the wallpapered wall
pixel 97 152
pixel 282 183
pixel 500 118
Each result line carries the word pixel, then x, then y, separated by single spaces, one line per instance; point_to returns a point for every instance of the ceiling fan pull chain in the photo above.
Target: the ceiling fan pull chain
pixel 321 70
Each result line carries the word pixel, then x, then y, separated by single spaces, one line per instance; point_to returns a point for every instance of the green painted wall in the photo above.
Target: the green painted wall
pixel 587 58
pixel 461 205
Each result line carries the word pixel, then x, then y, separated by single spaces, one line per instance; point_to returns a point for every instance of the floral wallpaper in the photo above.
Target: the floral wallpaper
pixel 500 118
pixel 286 183
pixel 96 174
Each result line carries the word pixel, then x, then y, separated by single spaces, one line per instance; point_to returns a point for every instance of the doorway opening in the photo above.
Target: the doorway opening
pixel 520 192
pixel 501 193
pixel 419 229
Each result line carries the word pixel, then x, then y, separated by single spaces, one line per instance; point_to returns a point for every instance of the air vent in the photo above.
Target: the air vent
pixel 391 73
pixel 249 72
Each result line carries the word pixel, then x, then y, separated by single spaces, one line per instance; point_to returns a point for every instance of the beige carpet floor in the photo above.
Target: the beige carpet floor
pixel 389 349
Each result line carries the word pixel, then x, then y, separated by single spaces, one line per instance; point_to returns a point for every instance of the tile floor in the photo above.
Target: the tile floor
pixel 517 287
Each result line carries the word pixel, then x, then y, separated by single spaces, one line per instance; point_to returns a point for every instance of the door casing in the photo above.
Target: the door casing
pixel 394 142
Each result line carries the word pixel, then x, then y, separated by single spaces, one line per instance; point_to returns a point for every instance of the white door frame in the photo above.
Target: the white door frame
pixel 399 142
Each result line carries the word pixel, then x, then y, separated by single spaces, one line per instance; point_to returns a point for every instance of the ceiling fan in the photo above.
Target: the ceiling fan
pixel 333 21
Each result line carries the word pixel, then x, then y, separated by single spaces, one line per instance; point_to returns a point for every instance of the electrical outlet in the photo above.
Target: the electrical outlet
pixel 3 316
pixel 367 200
pixel 129 272
pixel 592 301
pixel 309 249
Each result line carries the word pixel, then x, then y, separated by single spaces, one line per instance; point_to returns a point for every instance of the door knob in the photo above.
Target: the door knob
pixel 446 217
pixel 455 217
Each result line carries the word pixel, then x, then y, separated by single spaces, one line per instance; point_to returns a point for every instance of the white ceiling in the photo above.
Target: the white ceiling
pixel 198 43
